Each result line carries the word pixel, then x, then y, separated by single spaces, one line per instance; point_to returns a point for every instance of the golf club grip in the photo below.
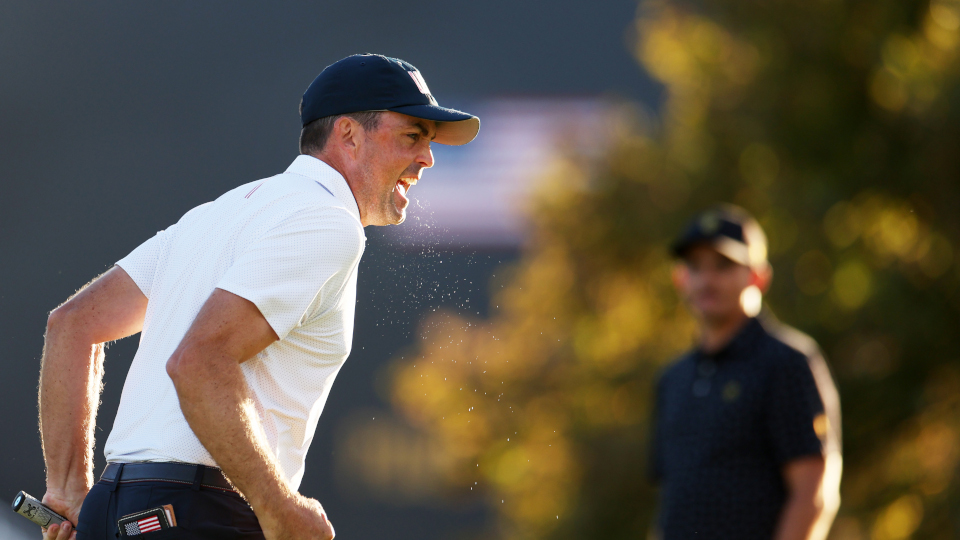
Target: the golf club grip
pixel 34 510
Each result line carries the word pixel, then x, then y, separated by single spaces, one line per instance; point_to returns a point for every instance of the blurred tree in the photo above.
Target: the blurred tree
pixel 836 123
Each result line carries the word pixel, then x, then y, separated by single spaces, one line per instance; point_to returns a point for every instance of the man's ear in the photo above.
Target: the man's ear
pixel 761 277
pixel 348 134
pixel 680 276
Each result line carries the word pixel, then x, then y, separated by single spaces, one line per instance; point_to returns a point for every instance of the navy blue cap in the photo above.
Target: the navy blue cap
pixel 372 82
pixel 730 230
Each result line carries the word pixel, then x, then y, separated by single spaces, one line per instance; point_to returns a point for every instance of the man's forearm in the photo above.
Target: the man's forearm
pixel 797 521
pixel 70 380
pixel 215 402
pixel 805 515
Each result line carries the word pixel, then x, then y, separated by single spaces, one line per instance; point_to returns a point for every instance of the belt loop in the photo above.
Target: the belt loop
pixel 116 479
pixel 198 478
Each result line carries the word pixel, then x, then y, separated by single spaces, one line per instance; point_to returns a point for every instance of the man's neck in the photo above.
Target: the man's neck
pixel 717 334
pixel 336 163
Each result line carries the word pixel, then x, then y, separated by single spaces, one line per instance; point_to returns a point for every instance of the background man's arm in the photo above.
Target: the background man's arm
pixel 109 308
pixel 805 508
pixel 215 400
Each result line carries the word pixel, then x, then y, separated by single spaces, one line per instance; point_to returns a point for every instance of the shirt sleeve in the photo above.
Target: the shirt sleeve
pixel 794 411
pixel 141 263
pixel 305 258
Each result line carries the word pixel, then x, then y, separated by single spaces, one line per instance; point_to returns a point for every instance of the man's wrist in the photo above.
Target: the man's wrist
pixel 70 488
pixel 270 518
pixel 277 510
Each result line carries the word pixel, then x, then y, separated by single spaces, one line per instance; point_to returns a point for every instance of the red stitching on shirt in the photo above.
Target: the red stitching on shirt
pixel 252 190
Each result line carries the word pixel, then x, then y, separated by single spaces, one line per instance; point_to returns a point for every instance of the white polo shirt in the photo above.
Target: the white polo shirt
pixel 291 245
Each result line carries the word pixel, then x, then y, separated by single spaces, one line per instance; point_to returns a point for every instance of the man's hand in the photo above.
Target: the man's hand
pixel 303 519
pixel 68 507
pixel 65 505
pixel 60 532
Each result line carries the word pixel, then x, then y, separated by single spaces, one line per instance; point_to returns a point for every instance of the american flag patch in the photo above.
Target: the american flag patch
pixel 150 524
pixel 143 522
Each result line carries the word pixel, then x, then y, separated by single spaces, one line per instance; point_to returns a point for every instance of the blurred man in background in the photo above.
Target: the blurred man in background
pixel 746 442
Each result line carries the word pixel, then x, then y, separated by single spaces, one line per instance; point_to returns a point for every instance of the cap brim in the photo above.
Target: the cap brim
pixel 453 127
pixel 728 247
pixel 737 252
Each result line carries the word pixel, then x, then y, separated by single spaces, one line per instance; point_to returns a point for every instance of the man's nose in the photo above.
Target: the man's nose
pixel 425 159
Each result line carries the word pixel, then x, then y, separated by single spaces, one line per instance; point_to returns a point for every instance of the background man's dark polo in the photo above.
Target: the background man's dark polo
pixel 727 423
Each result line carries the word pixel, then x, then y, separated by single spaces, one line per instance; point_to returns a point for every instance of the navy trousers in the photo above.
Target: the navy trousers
pixel 201 512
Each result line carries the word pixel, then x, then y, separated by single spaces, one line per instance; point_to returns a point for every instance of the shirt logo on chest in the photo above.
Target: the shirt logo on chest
pixel 731 391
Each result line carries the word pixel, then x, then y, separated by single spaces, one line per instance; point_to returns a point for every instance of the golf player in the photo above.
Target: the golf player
pixel 245 308
pixel 746 442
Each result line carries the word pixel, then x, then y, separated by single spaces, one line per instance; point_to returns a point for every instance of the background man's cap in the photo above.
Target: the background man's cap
pixel 730 230
pixel 372 82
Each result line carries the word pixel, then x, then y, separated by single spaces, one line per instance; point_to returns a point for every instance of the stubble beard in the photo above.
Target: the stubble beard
pixel 384 210
pixel 721 315
pixel 393 215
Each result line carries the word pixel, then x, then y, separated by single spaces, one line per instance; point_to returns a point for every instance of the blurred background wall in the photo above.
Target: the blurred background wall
pixel 508 334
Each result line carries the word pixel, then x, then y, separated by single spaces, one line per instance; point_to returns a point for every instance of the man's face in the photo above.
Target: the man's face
pixel 392 159
pixel 711 284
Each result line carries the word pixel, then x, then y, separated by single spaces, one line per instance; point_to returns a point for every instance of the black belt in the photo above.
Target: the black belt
pixel 179 473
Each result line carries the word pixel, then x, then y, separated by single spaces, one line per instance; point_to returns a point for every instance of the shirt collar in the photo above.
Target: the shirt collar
pixel 740 343
pixel 328 177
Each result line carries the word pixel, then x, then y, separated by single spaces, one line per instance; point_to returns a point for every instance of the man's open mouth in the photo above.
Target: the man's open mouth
pixel 404 184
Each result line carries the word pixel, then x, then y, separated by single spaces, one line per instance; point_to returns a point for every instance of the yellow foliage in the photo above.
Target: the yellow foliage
pixel 833 122
pixel 899 520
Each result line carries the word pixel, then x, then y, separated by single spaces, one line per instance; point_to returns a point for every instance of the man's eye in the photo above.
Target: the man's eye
pixel 414 136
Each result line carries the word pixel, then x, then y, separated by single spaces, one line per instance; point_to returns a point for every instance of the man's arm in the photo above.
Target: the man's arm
pixel 655 461
pixel 215 401
pixel 805 510
pixel 109 308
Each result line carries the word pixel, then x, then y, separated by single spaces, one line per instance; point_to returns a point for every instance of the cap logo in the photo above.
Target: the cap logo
pixel 421 85
pixel 710 223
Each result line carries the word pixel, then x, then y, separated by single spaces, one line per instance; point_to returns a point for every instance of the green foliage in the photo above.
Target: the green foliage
pixel 836 123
